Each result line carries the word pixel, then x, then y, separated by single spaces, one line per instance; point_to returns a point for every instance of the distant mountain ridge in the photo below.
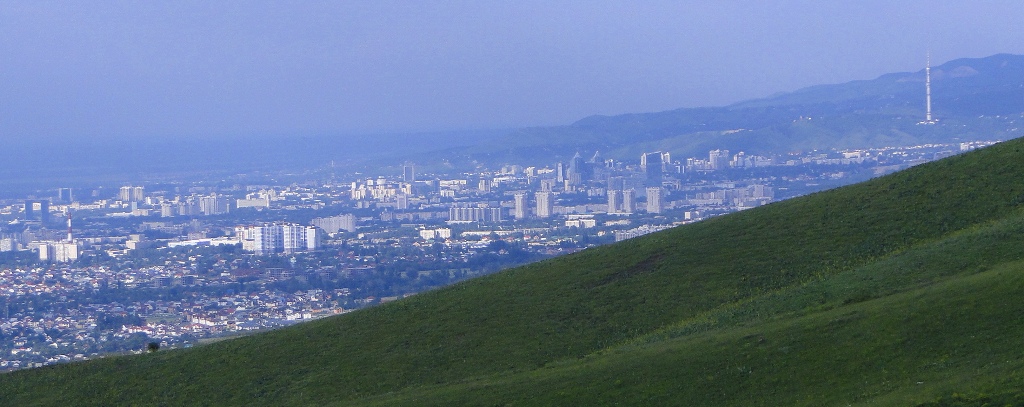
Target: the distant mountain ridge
pixel 956 85
pixel 866 113
pixel 968 94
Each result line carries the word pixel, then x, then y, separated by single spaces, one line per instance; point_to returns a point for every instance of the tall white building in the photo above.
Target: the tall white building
pixel 409 172
pixel 628 196
pixel 545 204
pixel 719 159
pixel 614 201
pixel 214 205
pixel 654 200
pixel 131 194
pixel 520 205
pixel 168 210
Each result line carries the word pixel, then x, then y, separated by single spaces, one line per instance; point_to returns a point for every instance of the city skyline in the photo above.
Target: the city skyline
pixel 253 256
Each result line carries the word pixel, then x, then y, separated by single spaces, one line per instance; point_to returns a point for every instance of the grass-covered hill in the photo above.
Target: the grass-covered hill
pixel 904 290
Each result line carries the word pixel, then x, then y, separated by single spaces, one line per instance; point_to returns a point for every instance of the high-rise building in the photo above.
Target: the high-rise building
pixel 628 196
pixel 761 191
pixel 409 172
pixel 616 183
pixel 188 207
pixel 654 200
pixel 214 205
pixel 614 201
pixel 718 159
pixel 167 210
pixel 577 170
pixel 519 212
pixel 30 210
pixel 299 238
pixel 38 210
pixel 545 204
pixel 560 173
pixel 64 195
pixel 651 165
pixel 131 194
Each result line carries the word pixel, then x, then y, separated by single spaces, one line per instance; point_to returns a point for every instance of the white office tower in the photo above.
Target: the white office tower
pixel 628 195
pixel 519 212
pixel 614 201
pixel 654 200
pixel 545 204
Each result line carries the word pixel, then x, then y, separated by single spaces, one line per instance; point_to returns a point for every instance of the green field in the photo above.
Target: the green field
pixel 904 290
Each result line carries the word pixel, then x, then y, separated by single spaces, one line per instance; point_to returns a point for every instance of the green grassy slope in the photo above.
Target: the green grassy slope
pixel 944 339
pixel 940 319
pixel 555 328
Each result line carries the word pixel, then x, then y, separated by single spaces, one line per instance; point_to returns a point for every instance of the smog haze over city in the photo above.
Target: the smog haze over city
pixel 177 173
pixel 196 70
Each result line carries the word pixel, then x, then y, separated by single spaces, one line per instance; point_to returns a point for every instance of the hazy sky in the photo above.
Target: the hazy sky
pixel 82 69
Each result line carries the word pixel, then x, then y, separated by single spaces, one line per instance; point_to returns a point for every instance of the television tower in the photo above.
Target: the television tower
pixel 928 91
